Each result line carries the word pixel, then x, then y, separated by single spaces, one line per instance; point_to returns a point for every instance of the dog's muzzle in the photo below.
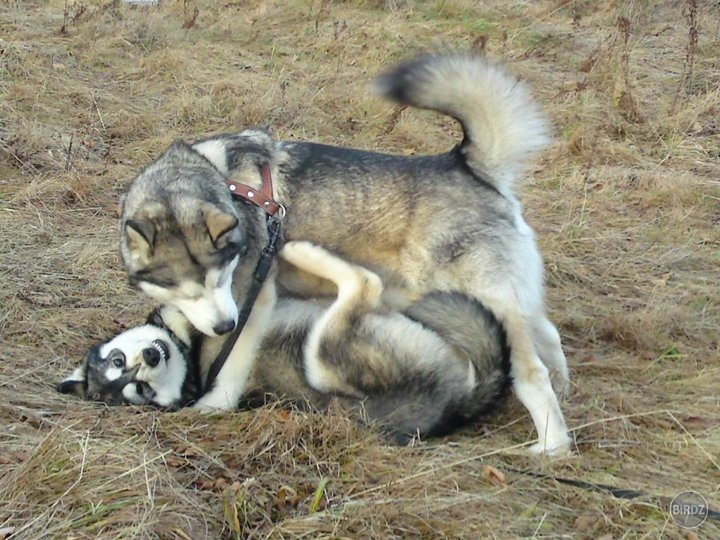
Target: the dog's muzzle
pixel 158 351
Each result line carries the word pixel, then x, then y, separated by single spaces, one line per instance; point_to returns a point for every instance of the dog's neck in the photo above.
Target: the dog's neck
pixel 262 198
pixel 174 323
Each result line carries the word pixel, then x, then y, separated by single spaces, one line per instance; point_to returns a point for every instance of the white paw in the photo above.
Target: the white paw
pixel 558 447
pixel 214 401
pixel 372 284
pixel 299 249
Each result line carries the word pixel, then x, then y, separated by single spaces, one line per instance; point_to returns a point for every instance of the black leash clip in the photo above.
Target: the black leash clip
pixel 269 251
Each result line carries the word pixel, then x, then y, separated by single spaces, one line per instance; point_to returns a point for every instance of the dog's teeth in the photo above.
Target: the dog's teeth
pixel 161 350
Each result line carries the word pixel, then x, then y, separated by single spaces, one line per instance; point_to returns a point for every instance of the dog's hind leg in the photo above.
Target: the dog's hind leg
pixel 549 348
pixel 531 379
pixel 358 292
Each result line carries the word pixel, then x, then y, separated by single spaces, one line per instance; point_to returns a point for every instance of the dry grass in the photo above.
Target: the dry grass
pixel 626 206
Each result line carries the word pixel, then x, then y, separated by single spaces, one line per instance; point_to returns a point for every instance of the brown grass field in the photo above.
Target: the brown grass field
pixel 626 204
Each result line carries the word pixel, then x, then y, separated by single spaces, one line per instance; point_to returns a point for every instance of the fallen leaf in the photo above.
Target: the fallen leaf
pixel 494 476
pixel 286 496
pixel 175 461
pixel 698 422
pixel 205 485
pixel 183 450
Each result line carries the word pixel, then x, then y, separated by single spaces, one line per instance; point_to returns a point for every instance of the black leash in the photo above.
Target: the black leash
pixel 261 272
pixel 618 493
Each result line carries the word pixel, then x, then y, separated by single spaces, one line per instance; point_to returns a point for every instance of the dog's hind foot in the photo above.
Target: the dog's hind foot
pixel 558 447
pixel 214 401
pixel 350 279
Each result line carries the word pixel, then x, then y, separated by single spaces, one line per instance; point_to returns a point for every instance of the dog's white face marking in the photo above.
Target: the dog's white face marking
pixel 131 343
pixel 165 379
pixel 206 306
pixel 113 373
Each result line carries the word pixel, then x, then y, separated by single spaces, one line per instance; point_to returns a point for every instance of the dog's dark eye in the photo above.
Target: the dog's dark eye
pixel 117 358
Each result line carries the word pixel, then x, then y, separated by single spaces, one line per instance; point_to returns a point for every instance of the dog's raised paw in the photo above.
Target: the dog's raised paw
pixel 299 249
pixel 372 286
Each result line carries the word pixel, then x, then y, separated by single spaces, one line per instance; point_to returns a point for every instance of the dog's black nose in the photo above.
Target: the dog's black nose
pixel 151 356
pixel 224 327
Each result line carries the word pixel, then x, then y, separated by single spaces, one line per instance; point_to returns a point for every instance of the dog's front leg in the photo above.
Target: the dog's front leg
pixel 231 381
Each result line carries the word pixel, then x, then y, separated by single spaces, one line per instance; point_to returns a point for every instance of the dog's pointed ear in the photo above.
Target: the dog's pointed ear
pixel 76 383
pixel 140 237
pixel 218 222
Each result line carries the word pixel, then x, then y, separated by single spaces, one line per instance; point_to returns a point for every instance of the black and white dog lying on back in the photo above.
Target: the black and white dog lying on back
pixel 441 363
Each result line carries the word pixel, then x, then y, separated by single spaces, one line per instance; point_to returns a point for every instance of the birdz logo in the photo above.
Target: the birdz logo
pixel 688 509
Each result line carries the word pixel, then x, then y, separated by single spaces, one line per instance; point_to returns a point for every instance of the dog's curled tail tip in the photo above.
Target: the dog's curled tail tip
pixel 398 83
pixel 502 124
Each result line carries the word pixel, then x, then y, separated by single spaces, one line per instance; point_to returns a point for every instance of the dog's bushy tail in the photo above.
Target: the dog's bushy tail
pixel 501 122
pixel 476 335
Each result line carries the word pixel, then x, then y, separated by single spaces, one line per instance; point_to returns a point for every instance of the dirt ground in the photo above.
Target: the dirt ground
pixel 625 202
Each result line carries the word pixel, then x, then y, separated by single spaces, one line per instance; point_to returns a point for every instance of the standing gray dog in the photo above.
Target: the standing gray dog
pixel 448 222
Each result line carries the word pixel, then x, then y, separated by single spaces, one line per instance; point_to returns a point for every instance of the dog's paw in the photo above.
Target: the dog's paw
pixel 213 402
pixel 371 286
pixel 300 249
pixel 555 448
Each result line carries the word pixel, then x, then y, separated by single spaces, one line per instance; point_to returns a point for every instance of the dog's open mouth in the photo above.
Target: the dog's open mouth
pixel 162 348
pixel 158 351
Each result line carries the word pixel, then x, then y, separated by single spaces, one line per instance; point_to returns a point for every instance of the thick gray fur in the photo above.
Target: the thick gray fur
pixel 442 364
pixel 448 222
